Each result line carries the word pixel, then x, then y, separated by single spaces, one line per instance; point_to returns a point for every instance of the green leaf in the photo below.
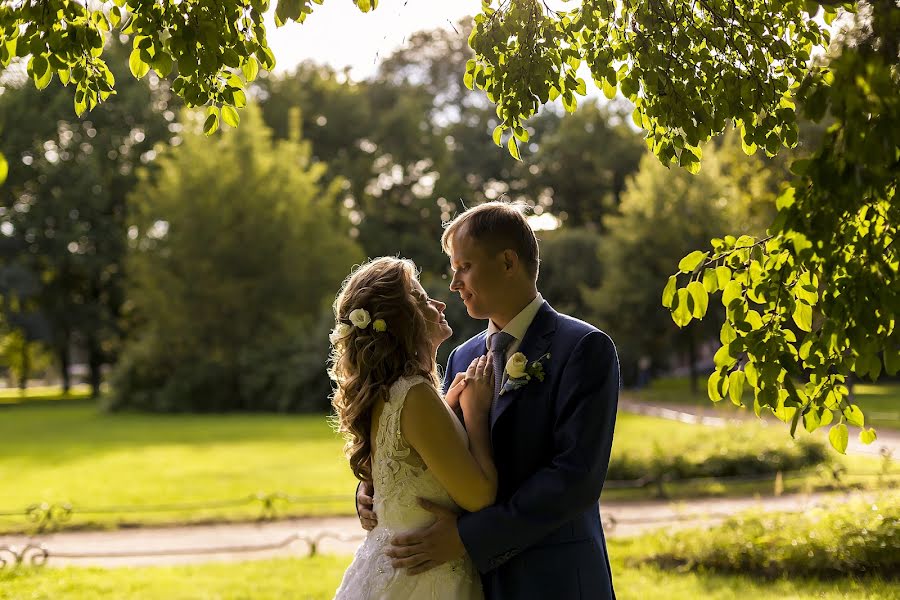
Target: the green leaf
pixel 723 274
pixel 732 292
pixel 4 168
pixel 250 68
pixel 854 415
pixel 212 121
pixel 710 281
pixel 692 261
pixel 867 436
pixel 701 299
pixel 716 386
pixel 839 436
pixel 609 90
pixel 669 292
pixel 138 67
pixel 513 147
pixel 736 387
pixel 681 313
pixel 498 135
pixel 230 116
pixel 803 316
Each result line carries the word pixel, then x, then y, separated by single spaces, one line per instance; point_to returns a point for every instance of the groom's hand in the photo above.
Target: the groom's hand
pixel 365 504
pixel 424 549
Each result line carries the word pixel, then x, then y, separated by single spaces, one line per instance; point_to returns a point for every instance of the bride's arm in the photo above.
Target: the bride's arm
pixel 468 475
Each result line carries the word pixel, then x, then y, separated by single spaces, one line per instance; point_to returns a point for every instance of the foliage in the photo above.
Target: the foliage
pixel 23 357
pixel 64 209
pixel 725 452
pixel 663 213
pixel 799 302
pixel 571 265
pixel 854 539
pixel 690 68
pixel 227 266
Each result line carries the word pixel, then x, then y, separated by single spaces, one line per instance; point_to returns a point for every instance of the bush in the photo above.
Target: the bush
pixel 743 450
pixel 859 538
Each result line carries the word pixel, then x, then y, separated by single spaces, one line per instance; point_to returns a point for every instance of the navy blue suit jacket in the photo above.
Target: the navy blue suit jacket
pixel 551 439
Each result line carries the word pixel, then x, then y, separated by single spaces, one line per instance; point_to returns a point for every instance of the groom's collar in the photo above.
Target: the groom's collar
pixel 519 324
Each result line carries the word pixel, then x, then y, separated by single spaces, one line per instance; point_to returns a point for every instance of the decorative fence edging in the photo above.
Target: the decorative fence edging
pixel 37 554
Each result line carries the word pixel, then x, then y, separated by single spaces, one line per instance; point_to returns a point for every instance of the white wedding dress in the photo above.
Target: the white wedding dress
pixel 400 477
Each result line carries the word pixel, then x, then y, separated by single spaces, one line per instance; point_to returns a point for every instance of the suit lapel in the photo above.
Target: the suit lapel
pixel 534 345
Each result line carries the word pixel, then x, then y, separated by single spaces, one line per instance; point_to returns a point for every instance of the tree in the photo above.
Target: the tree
pixel 582 161
pixel 64 201
pixel 692 69
pixel 663 213
pixel 236 254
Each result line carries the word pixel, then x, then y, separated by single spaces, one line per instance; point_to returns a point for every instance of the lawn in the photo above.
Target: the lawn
pixel 43 394
pixel 73 453
pixel 317 578
pixel 880 401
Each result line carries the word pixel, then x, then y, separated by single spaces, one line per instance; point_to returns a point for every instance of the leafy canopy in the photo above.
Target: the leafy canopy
pixel 807 306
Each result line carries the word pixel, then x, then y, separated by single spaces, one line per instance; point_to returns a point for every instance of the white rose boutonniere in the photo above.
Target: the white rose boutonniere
pixel 360 317
pixel 516 365
pixel 520 371
pixel 340 331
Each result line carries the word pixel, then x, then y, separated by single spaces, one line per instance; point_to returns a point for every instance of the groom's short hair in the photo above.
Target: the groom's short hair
pixel 500 225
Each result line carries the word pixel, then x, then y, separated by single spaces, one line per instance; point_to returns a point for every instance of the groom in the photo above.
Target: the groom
pixel 551 438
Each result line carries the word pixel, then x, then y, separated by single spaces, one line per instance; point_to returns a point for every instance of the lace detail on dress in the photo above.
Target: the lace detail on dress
pixel 401 477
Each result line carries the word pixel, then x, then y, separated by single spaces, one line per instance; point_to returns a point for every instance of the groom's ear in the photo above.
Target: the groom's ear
pixel 510 259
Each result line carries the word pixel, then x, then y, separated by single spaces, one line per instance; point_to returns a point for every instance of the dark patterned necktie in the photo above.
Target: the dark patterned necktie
pixel 500 341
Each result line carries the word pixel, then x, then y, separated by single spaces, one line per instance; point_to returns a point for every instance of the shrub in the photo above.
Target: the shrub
pixel 857 538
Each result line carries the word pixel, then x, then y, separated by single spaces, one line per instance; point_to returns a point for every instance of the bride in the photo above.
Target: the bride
pixel 401 434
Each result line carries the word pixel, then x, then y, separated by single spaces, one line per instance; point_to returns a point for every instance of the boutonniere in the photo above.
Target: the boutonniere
pixel 520 371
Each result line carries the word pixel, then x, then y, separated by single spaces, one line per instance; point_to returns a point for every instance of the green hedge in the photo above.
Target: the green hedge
pixel 743 450
pixel 857 538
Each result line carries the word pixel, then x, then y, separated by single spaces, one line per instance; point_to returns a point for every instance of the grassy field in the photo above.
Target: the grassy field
pixel 74 453
pixel 317 578
pixel 43 394
pixel 880 402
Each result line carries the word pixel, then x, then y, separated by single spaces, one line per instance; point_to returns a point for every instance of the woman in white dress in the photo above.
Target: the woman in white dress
pixel 401 434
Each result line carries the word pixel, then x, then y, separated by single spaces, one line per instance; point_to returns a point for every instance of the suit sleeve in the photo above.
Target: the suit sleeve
pixel 585 412
pixel 449 372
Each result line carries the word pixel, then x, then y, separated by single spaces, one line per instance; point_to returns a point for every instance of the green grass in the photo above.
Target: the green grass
pixel 880 402
pixel 43 394
pixel 74 453
pixel 317 578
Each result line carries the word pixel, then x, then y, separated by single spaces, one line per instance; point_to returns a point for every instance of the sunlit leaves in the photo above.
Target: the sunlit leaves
pixel 838 435
pixel 4 168
pixel 211 124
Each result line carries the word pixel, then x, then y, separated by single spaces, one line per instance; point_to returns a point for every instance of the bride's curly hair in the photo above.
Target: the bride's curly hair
pixel 365 363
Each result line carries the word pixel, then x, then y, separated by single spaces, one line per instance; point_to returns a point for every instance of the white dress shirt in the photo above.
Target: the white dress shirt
pixel 516 327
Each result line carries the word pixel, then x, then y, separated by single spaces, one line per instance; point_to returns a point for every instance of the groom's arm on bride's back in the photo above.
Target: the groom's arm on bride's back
pixel 585 412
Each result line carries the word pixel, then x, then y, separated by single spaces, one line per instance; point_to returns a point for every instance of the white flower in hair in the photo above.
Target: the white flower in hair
pixel 360 317
pixel 340 331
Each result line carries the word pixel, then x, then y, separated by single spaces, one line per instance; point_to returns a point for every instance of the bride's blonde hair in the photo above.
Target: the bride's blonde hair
pixel 366 362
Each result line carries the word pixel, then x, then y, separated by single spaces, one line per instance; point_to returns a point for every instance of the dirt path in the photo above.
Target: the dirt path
pixel 248 541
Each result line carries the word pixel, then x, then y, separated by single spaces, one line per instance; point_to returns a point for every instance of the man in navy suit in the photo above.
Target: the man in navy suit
pixel 551 438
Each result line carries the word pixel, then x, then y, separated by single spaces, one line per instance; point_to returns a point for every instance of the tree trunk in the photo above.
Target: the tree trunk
pixel 64 364
pixel 26 366
pixel 95 363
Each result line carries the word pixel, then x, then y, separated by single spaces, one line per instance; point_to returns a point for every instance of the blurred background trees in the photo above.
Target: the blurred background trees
pixel 201 271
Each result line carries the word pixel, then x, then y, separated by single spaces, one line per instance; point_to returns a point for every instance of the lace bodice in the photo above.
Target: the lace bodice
pixel 399 474
pixel 401 477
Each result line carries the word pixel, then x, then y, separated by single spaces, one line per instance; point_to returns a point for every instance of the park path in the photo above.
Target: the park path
pixel 250 541
pixel 718 418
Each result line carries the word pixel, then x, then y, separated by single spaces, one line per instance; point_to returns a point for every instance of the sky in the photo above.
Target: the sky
pixel 338 34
